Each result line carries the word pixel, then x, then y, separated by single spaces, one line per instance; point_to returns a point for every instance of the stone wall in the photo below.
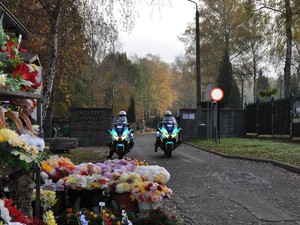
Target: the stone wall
pixel 90 125
pixel 232 123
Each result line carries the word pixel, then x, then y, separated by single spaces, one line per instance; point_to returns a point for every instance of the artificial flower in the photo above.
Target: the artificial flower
pixel 19 75
pixel 123 183
pixel 148 191
pixel 4 213
pixel 153 173
pixel 49 218
pixel 2 80
pixel 47 198
pixel 15 151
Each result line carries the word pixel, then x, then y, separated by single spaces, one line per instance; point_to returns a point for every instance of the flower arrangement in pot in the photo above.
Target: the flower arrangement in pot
pixel 151 192
pixel 120 188
pixel 123 183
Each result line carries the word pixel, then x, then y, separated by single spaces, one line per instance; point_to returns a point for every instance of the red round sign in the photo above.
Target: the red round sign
pixel 216 94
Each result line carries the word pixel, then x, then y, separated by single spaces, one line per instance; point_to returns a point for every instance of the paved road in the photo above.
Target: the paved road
pixel 209 189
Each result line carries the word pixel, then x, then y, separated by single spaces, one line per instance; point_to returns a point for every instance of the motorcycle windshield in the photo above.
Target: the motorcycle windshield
pixel 121 130
pixel 176 130
pixel 168 127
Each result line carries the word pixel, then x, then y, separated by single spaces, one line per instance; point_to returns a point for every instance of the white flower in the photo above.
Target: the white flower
pixel 153 173
pixel 2 79
pixel 35 129
pixel 4 213
pixel 34 141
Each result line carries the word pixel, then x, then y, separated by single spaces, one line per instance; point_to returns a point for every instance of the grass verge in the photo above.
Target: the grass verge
pixel 80 155
pixel 264 149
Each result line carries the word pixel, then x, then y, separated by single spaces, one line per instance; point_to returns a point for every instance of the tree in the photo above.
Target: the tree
pixel 227 83
pixel 285 11
pixel 255 41
pixel 262 82
pixel 183 83
pixel 144 86
pixel 131 111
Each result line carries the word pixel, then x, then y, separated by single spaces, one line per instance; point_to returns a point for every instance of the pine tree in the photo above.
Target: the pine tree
pixel 227 83
pixel 131 111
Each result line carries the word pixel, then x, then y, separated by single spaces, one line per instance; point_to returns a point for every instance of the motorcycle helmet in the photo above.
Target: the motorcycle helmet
pixel 122 113
pixel 168 113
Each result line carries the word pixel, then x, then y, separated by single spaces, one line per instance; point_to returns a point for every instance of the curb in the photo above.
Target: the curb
pixel 286 166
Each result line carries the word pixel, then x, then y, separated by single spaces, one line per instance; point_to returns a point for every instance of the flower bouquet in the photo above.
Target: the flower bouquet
pixel 87 169
pixel 123 183
pixel 47 198
pixel 16 152
pixel 14 72
pixel 9 212
pixel 151 193
pixel 153 173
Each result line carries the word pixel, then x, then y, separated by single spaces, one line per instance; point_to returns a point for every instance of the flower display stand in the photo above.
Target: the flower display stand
pixel 61 203
pixel 125 201
pixel 88 198
pixel 147 206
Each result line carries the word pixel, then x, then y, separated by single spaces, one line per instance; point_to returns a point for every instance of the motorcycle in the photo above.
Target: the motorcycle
pixel 168 138
pixel 121 139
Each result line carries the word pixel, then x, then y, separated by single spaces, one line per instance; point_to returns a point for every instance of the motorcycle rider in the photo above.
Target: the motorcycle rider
pixel 122 118
pixel 167 118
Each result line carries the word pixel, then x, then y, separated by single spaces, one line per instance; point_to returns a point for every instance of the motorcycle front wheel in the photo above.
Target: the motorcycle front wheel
pixel 169 150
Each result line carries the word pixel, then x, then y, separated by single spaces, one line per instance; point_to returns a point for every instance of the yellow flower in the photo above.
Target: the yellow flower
pixel 7 134
pixel 49 218
pixel 106 214
pixel 95 216
pixel 157 192
pixel 46 168
pixel 35 67
pixel 118 223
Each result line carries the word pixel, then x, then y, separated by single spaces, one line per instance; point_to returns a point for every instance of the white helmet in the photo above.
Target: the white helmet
pixel 122 113
pixel 168 113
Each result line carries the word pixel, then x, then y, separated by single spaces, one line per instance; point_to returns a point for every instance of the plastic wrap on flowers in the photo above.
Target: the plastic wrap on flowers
pixel 153 173
pixel 148 206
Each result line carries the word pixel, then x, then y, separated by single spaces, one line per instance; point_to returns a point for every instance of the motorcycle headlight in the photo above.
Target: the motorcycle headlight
pixel 124 137
pixel 165 135
pixel 115 137
pixel 174 135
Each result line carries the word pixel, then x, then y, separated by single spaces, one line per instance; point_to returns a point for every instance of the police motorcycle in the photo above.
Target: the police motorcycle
pixel 168 136
pixel 121 139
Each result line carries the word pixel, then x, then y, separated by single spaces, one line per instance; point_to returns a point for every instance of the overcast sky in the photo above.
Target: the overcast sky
pixel 157 33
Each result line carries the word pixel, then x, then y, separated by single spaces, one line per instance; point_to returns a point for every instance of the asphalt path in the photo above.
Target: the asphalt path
pixel 210 189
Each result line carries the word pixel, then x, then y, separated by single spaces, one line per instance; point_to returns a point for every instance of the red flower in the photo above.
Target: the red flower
pixel 23 71
pixel 9 49
pixel 17 215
